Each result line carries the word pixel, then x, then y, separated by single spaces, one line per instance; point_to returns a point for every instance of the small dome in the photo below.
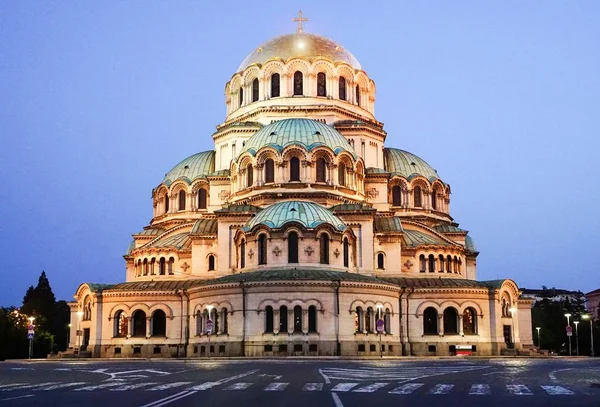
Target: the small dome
pixel 299 45
pixel 304 132
pixel 195 166
pixel 407 164
pixel 308 214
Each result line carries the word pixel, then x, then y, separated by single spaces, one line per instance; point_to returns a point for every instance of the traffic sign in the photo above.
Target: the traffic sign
pixel 30 335
pixel 380 325
pixel 30 332
pixel 209 326
pixel 569 328
pixel 30 327
pixel 569 333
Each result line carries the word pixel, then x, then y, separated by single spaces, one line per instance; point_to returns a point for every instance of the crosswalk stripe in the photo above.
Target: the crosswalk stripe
pixel 238 386
pixel 343 386
pixel 132 386
pixel 519 390
pixel 557 391
pixel 276 386
pixel 480 389
pixel 407 388
pixel 63 385
pixel 441 389
pixel 99 386
pixel 370 388
pixel 168 386
pixel 204 386
pixel 313 387
pixel 30 386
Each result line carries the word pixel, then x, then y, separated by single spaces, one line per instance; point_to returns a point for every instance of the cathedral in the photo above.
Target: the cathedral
pixel 300 234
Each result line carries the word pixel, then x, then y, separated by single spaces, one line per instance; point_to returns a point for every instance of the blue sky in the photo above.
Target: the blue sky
pixel 99 99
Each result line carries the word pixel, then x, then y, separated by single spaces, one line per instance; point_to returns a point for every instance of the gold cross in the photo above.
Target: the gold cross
pixel 300 20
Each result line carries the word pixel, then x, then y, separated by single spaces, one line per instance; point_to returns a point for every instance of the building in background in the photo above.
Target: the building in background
pixel 593 303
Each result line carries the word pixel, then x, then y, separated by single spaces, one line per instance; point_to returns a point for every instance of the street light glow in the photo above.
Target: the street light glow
pixel 568 315
pixel 79 314
pixel 585 316
pixel 513 310
pixel 31 319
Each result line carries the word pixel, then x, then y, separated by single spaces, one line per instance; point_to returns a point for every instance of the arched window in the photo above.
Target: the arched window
pixel 152 264
pixel 138 269
pixel 369 319
pixel 262 249
pixel 431 263
pixel 459 266
pixel 469 321
pixel 294 169
pixel 283 319
pixel 298 83
pixel 269 171
pixel 396 196
pixel 312 319
pixel 139 323
pixel 145 267
pixel 275 85
pixel 255 90
pixel 292 247
pixel 387 321
pixel 121 325
pixel 181 200
pixel 321 84
pixel 211 263
pixel 243 254
pixel 441 260
pixel 430 323
pixel 159 323
pixel 358 95
pixel 202 198
pixel 422 263
pixel 449 264
pixel 455 265
pixel 199 323
pixel 170 266
pixel 380 262
pixel 241 97
pixel 324 248
pixel 342 174
pixel 249 175
pixel 434 200
pixel 417 194
pixel 321 170
pixel 297 319
pixel 224 323
pixel 346 252
pixel 358 320
pixel 167 200
pixel 162 266
pixel 450 321
pixel 269 319
pixel 342 85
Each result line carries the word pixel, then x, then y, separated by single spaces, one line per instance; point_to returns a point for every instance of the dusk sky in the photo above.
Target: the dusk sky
pixel 99 99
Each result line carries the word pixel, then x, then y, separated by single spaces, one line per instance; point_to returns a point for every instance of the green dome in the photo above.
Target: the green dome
pixel 308 214
pixel 307 133
pixel 195 166
pixel 407 165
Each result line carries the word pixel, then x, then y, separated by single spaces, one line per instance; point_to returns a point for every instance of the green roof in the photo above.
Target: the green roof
pixel 449 229
pixel 374 170
pixel 180 241
pixel 407 165
pixel 414 238
pixel 357 207
pixel 470 244
pixel 196 166
pixel 131 247
pixel 306 133
pixel 150 232
pixel 387 224
pixel 308 214
pixel 239 208
pixel 427 282
pixel 205 227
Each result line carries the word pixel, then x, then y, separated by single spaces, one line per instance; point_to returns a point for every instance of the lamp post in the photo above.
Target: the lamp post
pixel 209 327
pixel 568 332
pixel 539 340
pixel 30 335
pixel 513 310
pixel 79 315
pixel 68 335
pixel 576 336
pixel 591 332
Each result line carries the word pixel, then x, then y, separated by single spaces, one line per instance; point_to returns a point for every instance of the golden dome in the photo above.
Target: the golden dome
pixel 299 45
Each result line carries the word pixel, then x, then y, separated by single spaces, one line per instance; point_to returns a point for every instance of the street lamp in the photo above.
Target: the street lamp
pixel 68 335
pixel 209 327
pixel 587 316
pixel 79 315
pixel 569 336
pixel 513 310
pixel 31 319
pixel 577 336
pixel 539 340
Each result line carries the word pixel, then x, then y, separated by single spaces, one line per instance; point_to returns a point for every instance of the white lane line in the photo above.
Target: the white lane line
pixel 519 390
pixel 18 397
pixel 325 377
pixel 441 389
pixel 276 386
pixel 169 399
pixel 336 400
pixel 557 391
pixel 313 387
pixel 238 386
pixel 344 386
pixel 203 386
pixel 3 386
pixel 168 386
pixel 480 389
pixel 99 386
pixel 208 385
pixel 30 386
pixel 370 388
pixel 552 374
pixel 63 385
pixel 407 388
pixel 134 386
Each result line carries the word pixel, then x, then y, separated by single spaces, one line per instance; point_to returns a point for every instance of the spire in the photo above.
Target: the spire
pixel 300 19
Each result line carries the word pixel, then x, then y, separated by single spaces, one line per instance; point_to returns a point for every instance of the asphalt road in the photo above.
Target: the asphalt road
pixel 292 382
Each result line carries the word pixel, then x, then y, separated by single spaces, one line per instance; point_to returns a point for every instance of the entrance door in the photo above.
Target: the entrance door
pixel 86 339
pixel 508 335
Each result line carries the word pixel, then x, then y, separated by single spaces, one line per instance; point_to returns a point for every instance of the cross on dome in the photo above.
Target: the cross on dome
pixel 300 20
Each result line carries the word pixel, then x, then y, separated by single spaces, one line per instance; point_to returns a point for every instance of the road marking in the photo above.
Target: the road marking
pixel 169 399
pixel 407 388
pixel 336 400
pixel 441 389
pixel 98 386
pixel 63 385
pixel 208 385
pixel 552 374
pixel 370 388
pixel 21 368
pixel 480 389
pixel 18 397
pixel 344 386
pixel 168 386
pixel 3 386
pixel 30 386
pixel 557 390
pixel 132 386
pixel 277 386
pixel 325 377
pixel 380 374
pixel 203 386
pixel 519 390
pixel 238 386
pixel 313 387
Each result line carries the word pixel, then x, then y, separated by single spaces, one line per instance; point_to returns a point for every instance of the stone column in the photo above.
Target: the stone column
pixel 305 321
pixel 194 201
pixel 441 324
pixel 275 321
pixel 460 325
pixel 148 326
pixel 290 319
